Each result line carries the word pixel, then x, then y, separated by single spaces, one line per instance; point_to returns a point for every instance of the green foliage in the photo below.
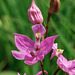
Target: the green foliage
pixel 8 73
pixel 14 19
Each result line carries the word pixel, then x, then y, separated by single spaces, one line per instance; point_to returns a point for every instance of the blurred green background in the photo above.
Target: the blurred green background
pixel 14 19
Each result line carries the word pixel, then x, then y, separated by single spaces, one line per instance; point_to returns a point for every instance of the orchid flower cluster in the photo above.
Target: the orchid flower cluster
pixel 33 51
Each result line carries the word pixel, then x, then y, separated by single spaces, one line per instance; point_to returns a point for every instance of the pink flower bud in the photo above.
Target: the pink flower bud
pixel 34 14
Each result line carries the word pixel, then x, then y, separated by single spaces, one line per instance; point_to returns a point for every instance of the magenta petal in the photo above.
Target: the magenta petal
pixel 24 73
pixel 28 57
pixel 53 54
pixel 71 64
pixel 31 62
pixel 38 28
pixel 62 63
pixel 46 44
pixel 18 74
pixel 55 46
pixel 63 58
pixel 66 66
pixel 39 73
pixel 18 55
pixel 40 57
pixel 23 42
pixel 70 73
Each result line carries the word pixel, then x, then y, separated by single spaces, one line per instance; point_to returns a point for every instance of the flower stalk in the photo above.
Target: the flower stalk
pixel 47 26
pixel 42 62
pixel 56 71
pixel 42 66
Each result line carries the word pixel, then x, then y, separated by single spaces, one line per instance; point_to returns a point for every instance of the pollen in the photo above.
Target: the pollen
pixel 38 35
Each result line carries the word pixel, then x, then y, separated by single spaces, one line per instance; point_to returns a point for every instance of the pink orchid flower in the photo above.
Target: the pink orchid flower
pixel 34 14
pixel 39 73
pixel 19 74
pixel 31 51
pixel 56 52
pixel 65 65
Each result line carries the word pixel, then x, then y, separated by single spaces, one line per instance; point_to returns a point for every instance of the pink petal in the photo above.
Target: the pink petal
pixel 63 58
pixel 71 64
pixel 70 73
pixel 55 46
pixel 46 44
pixel 24 73
pixel 40 57
pixel 18 55
pixel 18 73
pixel 38 28
pixel 28 57
pixel 53 54
pixel 66 66
pixel 62 63
pixel 39 73
pixel 31 62
pixel 23 42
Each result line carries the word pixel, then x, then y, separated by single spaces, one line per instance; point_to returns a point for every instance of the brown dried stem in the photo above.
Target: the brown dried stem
pixel 47 26
pixel 42 66
pixel 56 71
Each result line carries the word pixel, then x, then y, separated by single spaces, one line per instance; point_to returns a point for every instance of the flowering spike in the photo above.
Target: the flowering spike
pixel 54 6
pixel 34 14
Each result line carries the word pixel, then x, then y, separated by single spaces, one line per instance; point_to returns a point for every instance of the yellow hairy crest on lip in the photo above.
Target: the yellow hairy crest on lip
pixel 59 50
pixel 38 35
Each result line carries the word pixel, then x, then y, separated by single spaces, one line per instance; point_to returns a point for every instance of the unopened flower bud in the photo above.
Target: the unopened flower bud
pixel 54 6
pixel 34 14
